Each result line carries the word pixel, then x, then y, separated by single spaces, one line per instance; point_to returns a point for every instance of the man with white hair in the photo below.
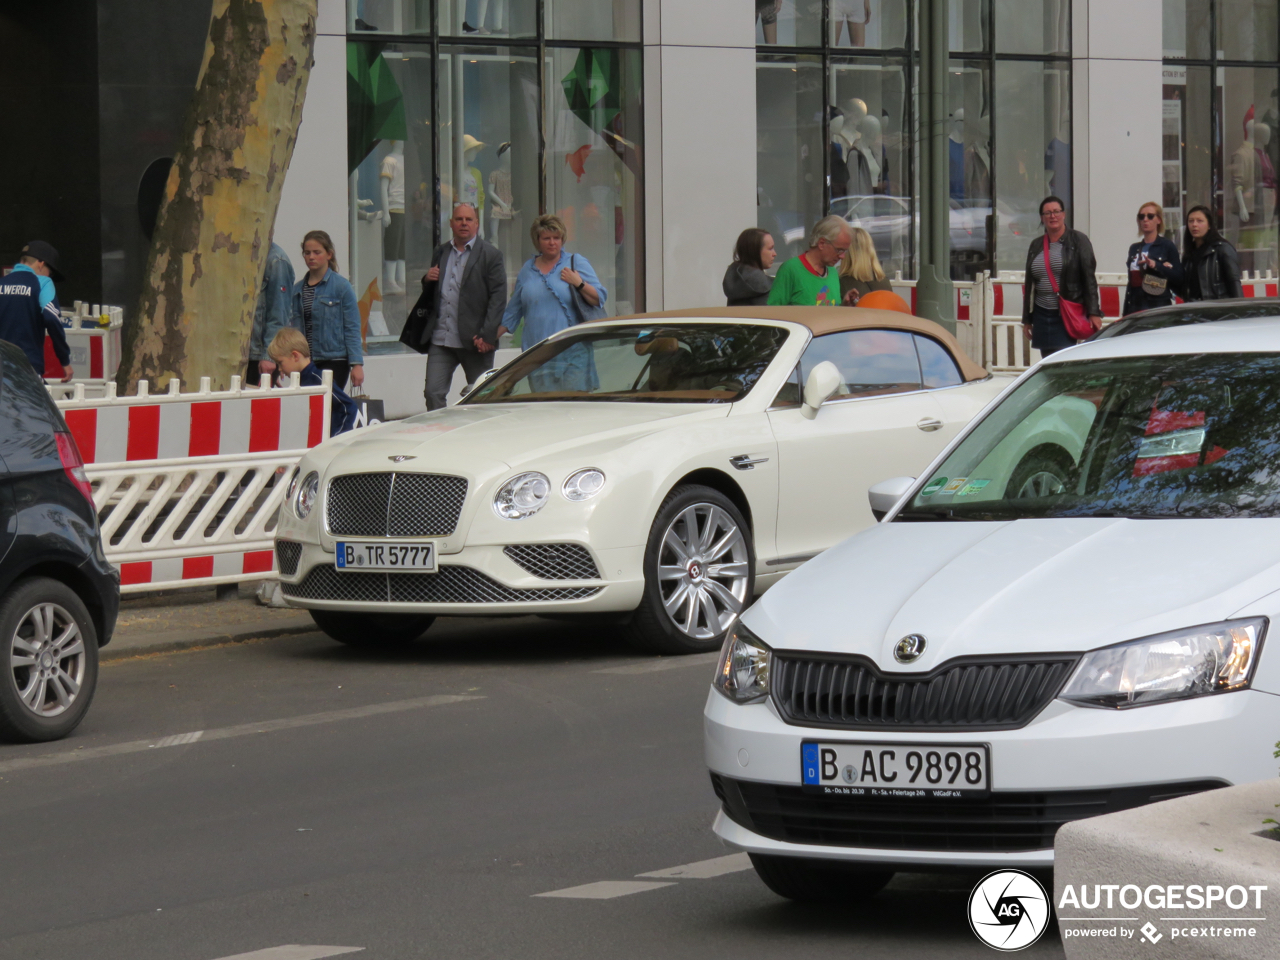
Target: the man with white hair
pixel 811 279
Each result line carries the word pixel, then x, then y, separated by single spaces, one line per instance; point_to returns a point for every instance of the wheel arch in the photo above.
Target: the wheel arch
pixel 74 578
pixel 721 482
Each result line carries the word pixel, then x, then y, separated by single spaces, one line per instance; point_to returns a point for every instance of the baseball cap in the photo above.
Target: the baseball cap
pixel 46 252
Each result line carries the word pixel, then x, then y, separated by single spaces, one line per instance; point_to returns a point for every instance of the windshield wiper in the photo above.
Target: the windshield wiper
pixel 928 515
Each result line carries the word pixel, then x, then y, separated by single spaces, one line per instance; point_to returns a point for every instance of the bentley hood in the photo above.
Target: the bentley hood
pixel 1057 585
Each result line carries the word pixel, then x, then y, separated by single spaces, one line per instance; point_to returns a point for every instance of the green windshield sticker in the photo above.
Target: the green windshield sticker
pixel 933 486
pixel 972 487
pixel 955 485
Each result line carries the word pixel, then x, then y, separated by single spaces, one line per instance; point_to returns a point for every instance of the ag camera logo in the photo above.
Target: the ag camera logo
pixel 1008 910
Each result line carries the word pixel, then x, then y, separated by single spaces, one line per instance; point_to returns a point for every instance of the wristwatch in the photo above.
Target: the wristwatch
pixel 581 284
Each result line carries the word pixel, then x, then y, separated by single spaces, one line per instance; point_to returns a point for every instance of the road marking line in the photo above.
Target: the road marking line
pixel 666 663
pixel 226 733
pixel 294 951
pixel 704 869
pixel 605 889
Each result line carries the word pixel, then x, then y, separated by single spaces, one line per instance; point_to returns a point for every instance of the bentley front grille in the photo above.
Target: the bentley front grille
pixel 394 504
pixel 554 561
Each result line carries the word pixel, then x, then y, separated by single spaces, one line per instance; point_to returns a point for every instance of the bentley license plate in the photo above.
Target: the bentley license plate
pixel 900 770
pixel 380 556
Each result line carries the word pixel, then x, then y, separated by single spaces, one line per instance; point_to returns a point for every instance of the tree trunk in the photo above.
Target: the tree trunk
pixel 214 228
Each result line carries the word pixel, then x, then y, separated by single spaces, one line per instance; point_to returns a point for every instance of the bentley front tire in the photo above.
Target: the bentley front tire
pixel 699 573
pixel 372 631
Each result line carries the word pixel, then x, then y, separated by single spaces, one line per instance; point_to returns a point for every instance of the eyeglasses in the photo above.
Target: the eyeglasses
pixel 840 250
pixel 1148 216
pixel 1052 213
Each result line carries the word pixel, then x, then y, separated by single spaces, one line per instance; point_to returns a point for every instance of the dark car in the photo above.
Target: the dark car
pixel 1199 311
pixel 59 596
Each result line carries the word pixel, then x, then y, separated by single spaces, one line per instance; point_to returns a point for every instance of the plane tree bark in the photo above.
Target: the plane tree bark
pixel 212 233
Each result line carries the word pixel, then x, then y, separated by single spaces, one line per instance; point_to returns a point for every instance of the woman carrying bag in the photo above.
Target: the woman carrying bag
pixel 554 291
pixel 1210 267
pixel 1154 268
pixel 1060 303
pixel 325 310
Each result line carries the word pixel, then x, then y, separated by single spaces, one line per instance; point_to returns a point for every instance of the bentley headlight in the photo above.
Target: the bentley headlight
pixel 1195 662
pixel 584 484
pixel 308 490
pixel 521 496
pixel 742 674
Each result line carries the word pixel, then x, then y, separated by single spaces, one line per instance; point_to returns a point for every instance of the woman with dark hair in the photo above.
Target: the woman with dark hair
pixel 745 282
pixel 1060 267
pixel 325 310
pixel 1210 270
pixel 1155 271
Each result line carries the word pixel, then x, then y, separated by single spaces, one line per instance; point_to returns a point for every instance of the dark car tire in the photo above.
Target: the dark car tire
pixel 818 881
pixel 656 630
pixel 372 631
pixel 45 681
pixel 1039 471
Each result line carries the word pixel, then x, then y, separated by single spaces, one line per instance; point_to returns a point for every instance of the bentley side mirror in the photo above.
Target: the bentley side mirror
pixel 885 494
pixel 822 383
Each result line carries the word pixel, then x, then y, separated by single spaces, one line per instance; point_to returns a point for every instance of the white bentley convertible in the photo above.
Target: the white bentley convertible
pixel 665 467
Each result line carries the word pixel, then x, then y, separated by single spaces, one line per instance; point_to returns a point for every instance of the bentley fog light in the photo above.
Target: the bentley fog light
pixel 1195 662
pixel 521 496
pixel 742 674
pixel 583 485
pixel 308 490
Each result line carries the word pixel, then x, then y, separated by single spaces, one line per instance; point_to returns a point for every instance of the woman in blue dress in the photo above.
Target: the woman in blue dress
pixel 543 301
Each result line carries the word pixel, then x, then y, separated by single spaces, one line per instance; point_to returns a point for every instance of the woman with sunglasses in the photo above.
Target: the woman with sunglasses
pixel 1154 268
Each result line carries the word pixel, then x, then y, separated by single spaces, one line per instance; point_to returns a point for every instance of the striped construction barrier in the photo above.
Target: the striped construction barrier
pixel 95 347
pixel 188 485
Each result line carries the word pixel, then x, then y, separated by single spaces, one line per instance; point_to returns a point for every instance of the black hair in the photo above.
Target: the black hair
pixel 747 249
pixel 1052 199
pixel 1189 247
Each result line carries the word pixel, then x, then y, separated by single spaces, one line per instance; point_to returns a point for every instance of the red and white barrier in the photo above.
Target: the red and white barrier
pixel 971 300
pixel 188 486
pixel 95 346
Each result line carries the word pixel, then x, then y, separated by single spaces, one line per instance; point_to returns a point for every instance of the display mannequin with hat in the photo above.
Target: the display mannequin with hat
pixel 29 307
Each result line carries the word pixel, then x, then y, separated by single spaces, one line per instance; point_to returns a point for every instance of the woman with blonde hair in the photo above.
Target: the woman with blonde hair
pixel 325 310
pixel 860 270
pixel 1154 268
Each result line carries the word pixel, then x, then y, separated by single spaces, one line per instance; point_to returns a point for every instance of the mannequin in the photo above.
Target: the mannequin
pixel 869 145
pixel 977 161
pixel 955 146
pixel 502 212
pixel 499 16
pixel 854 15
pixel 391 180
pixel 839 166
pixel 860 180
pixel 472 190
pixel 1252 171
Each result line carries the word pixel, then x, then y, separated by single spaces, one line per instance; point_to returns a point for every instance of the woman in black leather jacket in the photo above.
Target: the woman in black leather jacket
pixel 1210 268
pixel 1155 270
pixel 1072 262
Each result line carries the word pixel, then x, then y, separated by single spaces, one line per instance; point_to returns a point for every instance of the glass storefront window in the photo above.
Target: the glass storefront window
pixel 488 18
pixel 593 156
pixel 1247 29
pixel 967 30
pixel 1033 152
pixel 793 23
pixel 969 146
pixel 399 17
pixel 869 154
pixel 873 24
pixel 1186 29
pixel 488 115
pixel 1033 26
pixel 390 163
pixel 592 19
pixel 1248 130
pixel 789 183
pixel 1187 147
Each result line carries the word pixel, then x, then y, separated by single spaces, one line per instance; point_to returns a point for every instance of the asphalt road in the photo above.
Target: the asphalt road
pixel 233 800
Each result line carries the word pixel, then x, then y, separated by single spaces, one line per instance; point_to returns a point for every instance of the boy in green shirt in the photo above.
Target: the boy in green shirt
pixel 811 279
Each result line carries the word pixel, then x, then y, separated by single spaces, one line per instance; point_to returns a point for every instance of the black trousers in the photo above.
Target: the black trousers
pixel 341 371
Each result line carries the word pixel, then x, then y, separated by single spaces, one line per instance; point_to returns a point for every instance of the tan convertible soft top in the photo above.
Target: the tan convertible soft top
pixel 832 320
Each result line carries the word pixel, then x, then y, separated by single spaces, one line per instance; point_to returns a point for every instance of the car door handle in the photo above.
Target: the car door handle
pixel 929 424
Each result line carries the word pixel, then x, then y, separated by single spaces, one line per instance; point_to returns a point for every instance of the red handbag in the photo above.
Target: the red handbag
pixel 1073 316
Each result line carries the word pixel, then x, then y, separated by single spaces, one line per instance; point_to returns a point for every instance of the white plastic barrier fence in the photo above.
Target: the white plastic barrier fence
pixel 1005 345
pixel 971 298
pixel 187 485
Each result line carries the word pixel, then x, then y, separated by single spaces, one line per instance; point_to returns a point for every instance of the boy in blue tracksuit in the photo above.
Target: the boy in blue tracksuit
pixel 292 354
pixel 29 307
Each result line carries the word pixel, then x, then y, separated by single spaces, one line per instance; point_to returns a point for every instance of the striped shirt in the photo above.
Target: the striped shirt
pixel 1045 297
pixel 308 298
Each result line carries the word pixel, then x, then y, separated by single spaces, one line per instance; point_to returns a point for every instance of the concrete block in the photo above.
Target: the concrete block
pixel 1176 852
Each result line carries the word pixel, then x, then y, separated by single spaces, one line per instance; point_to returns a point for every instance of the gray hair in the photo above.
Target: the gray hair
pixel 829 228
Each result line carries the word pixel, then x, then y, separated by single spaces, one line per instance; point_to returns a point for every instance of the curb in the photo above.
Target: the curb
pixel 177 641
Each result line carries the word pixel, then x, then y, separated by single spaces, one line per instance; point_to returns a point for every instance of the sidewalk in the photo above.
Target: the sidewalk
pixel 184 619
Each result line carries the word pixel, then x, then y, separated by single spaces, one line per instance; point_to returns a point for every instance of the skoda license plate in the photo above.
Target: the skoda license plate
pixel 381 556
pixel 901 770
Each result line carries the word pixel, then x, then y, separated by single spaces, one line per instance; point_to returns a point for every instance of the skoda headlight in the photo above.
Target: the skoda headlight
pixel 742 674
pixel 521 496
pixel 584 484
pixel 308 490
pixel 1194 662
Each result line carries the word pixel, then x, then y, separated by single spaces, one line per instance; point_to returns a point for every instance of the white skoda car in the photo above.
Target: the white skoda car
pixel 666 467
pixel 1067 614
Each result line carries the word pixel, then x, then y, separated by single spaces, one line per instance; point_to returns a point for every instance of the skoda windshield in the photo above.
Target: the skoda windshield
pixel 653 363
pixel 1190 436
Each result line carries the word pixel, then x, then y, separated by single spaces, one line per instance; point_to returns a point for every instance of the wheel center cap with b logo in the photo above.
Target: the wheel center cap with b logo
pixel 696 570
pixel 909 648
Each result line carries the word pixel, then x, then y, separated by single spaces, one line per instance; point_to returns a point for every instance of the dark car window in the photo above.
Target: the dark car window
pixel 28 415
pixel 1184 314
pixel 937 365
pixel 871 362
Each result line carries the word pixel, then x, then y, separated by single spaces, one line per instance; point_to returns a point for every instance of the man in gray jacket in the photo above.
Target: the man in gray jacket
pixel 463 296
